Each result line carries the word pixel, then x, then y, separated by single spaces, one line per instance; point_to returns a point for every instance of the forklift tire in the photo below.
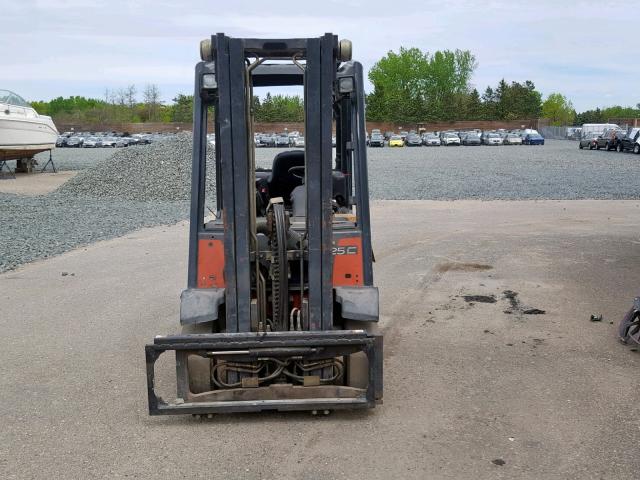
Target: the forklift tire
pixel 358 369
pixel 199 368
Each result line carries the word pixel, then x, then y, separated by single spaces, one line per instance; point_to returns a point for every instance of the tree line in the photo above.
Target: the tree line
pixel 122 106
pixel 602 115
pixel 416 86
pixel 409 86
pixel 117 106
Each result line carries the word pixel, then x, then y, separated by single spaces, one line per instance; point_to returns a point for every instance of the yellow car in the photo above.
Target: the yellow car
pixel 396 141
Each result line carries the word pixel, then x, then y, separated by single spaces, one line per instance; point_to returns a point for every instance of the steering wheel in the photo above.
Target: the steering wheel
pixel 297 172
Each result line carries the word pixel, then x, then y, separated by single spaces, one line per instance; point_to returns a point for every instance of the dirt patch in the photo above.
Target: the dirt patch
pixel 34 184
pixel 517 307
pixel 512 297
pixel 461 267
pixel 479 298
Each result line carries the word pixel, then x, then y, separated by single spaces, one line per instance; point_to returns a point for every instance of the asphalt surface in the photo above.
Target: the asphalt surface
pixel 470 391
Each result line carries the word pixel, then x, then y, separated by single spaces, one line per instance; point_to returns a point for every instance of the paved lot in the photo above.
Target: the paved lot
pixel 553 396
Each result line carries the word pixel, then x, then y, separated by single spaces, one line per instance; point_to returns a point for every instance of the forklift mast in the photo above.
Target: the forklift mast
pixel 280 305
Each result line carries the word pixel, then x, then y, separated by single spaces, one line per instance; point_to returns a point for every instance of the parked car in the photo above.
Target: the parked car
pixel 447 139
pixel 413 140
pixel 75 142
pixel 610 139
pixel 90 142
pixel 471 138
pixel 431 140
pixel 376 140
pixel 282 141
pixel 512 139
pixel 107 142
pixel 142 139
pixel 492 139
pixel 396 141
pixel 404 134
pixel 533 139
pixel 119 142
pixel 267 141
pixel 631 141
pixel 588 140
pixel 61 141
pixel 298 142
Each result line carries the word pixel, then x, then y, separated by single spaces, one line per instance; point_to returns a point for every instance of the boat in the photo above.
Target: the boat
pixel 23 132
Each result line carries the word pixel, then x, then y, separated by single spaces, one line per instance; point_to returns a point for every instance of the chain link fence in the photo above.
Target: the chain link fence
pixel 560 133
pixel 567 132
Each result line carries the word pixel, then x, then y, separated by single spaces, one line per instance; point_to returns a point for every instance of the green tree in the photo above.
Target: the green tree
pixel 474 106
pixel 590 116
pixel 182 108
pixel 516 101
pixel 618 111
pixel 279 108
pixel 489 104
pixel 558 109
pixel 412 85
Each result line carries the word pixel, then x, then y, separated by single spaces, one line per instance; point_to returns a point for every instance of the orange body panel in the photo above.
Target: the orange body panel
pixel 210 264
pixel 347 262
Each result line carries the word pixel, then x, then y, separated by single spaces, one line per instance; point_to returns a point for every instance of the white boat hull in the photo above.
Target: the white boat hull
pixel 23 135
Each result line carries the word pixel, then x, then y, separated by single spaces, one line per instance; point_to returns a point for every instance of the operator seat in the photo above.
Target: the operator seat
pixel 281 183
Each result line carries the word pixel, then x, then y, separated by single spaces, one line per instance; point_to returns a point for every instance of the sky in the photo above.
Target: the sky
pixel 583 49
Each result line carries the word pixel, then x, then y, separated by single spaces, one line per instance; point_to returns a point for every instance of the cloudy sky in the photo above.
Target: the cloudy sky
pixel 583 49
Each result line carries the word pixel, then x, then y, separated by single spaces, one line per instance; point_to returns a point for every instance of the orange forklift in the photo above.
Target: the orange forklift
pixel 280 310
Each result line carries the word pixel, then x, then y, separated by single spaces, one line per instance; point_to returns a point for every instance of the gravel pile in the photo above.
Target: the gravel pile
pixel 119 192
pixel 158 172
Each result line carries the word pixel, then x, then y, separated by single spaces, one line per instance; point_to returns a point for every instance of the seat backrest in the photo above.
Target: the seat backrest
pixel 282 183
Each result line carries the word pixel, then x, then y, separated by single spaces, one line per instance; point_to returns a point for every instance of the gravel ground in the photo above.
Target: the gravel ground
pixel 557 170
pixel 121 190
pixel 75 158
pixel 52 224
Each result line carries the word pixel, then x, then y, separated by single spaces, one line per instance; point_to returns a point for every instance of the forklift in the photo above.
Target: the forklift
pixel 280 310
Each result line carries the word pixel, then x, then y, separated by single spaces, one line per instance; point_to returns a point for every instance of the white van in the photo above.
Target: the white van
pixel 595 129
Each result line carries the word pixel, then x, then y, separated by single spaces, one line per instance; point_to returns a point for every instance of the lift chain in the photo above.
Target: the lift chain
pixel 279 268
